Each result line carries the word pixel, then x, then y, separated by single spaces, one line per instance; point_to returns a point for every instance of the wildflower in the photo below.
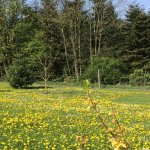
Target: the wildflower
pixel 110 130
pixel 88 109
pixel 113 120
pixel 77 138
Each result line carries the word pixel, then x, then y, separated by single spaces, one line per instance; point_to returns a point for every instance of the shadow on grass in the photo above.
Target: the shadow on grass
pixel 35 87
pixel 4 90
pixel 39 87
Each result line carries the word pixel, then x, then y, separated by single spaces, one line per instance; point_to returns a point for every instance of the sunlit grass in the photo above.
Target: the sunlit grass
pixel 30 119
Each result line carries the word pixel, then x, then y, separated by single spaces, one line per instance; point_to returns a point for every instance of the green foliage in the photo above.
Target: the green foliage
pixel 69 79
pixel 30 31
pixel 110 70
pixel 86 84
pixel 137 42
pixel 20 73
pixel 137 78
pixel 65 78
pixel 133 13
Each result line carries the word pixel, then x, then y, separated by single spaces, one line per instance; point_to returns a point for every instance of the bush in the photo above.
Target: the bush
pixel 137 78
pixel 20 73
pixel 69 80
pixel 111 70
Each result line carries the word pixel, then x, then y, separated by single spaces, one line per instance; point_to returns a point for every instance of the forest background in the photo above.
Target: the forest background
pixel 62 40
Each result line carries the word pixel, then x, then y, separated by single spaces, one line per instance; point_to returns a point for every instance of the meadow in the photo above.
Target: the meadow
pixel 30 119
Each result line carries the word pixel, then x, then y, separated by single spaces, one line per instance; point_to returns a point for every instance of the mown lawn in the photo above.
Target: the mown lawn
pixel 30 119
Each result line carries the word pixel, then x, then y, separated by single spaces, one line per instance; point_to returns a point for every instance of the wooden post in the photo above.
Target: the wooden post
pixel 144 79
pixel 99 79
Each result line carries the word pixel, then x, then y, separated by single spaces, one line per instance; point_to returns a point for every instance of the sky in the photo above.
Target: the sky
pixel 121 8
pixel 146 4
pixel 142 3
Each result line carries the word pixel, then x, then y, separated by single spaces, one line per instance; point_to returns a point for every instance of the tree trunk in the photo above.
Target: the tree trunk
pixel 95 32
pixel 91 57
pixel 66 54
pixel 45 79
pixel 99 45
pixel 96 36
pixel 45 86
pixel 98 30
pixel 79 45
pixel 74 52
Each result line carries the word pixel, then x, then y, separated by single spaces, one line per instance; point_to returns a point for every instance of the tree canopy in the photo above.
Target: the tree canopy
pixel 62 35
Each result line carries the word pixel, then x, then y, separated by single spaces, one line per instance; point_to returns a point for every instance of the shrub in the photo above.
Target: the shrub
pixel 69 80
pixel 137 78
pixel 20 73
pixel 110 70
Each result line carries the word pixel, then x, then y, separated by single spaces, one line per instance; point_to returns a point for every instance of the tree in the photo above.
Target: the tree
pixel 7 21
pixel 123 47
pixel 90 40
pixel 139 41
pixel 133 12
pixel 11 31
pixel 73 16
pixel 20 73
pixel 45 44
pixel 62 24
pixel 103 17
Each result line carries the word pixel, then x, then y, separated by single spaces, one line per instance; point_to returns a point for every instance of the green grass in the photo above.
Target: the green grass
pixel 96 85
pixel 31 119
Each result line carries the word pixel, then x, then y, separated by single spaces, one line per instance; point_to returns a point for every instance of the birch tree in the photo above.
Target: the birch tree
pixel 102 16
pixel 62 24
pixel 102 10
pixel 72 12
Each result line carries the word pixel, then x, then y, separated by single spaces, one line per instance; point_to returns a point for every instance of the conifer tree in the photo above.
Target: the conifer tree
pixel 126 48
pixel 139 41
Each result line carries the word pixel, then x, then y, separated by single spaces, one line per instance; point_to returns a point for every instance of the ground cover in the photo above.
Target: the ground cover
pixel 95 85
pixel 31 119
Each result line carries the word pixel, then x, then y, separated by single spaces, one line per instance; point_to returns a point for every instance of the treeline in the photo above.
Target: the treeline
pixel 61 39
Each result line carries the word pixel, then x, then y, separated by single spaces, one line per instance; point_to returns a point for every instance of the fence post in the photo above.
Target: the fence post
pixel 144 79
pixel 99 79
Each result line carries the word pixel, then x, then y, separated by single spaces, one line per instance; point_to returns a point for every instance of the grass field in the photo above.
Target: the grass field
pixel 30 119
